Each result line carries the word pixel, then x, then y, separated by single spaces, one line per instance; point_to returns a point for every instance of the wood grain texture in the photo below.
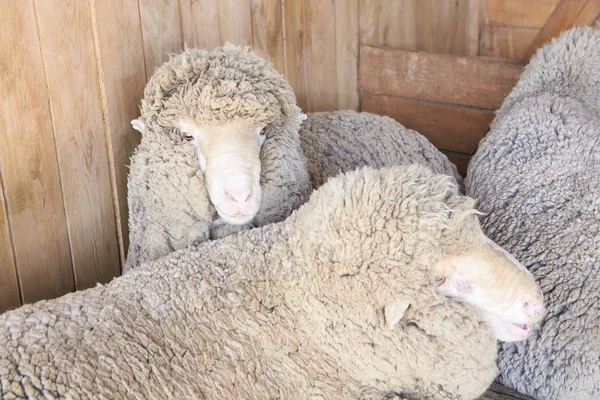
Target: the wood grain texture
pixel 235 21
pixel 528 14
pixel 121 59
pixel 9 284
pixel 448 127
pixel 28 160
pixel 442 26
pixel 267 31
pixel 388 23
pixel 346 39
pixel 161 30
pixel 467 81
pixel 200 23
pixel 475 25
pixel 460 160
pixel 310 56
pixel 67 44
pixel 568 14
pixel 508 42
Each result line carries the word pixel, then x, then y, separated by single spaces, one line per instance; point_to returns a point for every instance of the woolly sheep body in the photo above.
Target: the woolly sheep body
pixel 169 207
pixel 536 175
pixel 277 311
pixel 340 141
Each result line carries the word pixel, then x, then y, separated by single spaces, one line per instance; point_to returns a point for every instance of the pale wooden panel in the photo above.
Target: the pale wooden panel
pixel 67 44
pixel 475 24
pixel 9 285
pixel 529 13
pixel 448 127
pixel 121 59
pixel 235 21
pixel 442 26
pixel 346 39
pixel 310 54
pixel 200 23
pixel 28 160
pixel 568 14
pixel 469 81
pixel 161 30
pixel 267 31
pixel 460 160
pixel 389 23
pixel 508 42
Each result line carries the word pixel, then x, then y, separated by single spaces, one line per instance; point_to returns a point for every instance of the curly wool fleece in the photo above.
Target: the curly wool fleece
pixel 169 207
pixel 291 310
pixel 537 178
pixel 340 141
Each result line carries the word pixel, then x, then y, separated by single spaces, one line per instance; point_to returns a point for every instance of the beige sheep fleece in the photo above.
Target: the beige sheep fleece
pixel 291 310
pixel 169 207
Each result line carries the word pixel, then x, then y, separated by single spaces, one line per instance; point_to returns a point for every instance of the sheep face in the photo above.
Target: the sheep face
pixel 229 156
pixel 488 277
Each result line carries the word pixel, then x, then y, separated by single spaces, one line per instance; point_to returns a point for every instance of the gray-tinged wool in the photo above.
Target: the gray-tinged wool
pixel 341 141
pixel 292 310
pixel 168 201
pixel 537 176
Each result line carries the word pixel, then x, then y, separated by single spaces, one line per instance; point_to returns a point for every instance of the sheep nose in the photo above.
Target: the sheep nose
pixel 535 309
pixel 240 197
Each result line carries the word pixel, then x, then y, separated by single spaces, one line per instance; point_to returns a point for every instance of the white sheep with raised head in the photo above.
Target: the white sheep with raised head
pixel 219 142
pixel 338 301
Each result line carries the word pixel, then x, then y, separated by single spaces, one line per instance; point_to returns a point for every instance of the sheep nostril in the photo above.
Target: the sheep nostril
pixel 239 197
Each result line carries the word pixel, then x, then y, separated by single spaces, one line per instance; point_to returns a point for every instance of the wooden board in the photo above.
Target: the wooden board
pixel 460 160
pixel 390 24
pixel 346 40
pixel 509 42
pixel 267 31
pixel 200 23
pixel 67 44
pixel 235 22
pixel 161 30
pixel 28 159
pixel 121 59
pixel 568 14
pixel 448 127
pixel 469 81
pixel 528 13
pixel 9 285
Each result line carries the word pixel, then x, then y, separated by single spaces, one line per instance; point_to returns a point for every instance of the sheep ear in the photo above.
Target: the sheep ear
pixel 394 311
pixel 139 125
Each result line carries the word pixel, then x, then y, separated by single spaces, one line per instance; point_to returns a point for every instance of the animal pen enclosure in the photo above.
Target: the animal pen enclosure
pixel 73 74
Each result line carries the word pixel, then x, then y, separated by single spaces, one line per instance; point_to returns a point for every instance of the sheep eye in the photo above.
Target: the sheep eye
pixel 262 132
pixel 189 138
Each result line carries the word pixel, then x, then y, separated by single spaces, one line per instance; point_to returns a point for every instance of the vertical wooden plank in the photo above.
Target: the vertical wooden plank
pixel 388 23
pixel 67 44
pixel 442 26
pixel 118 39
pixel 161 31
pixel 475 25
pixel 568 14
pixel 295 49
pixel 28 160
pixel 346 41
pixel 267 31
pixel 200 23
pixel 510 42
pixel 235 21
pixel 526 14
pixel 9 285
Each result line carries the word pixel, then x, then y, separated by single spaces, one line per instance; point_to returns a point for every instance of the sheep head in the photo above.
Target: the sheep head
pixel 228 154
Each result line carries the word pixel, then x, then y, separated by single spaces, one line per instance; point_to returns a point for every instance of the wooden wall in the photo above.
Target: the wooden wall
pixel 72 74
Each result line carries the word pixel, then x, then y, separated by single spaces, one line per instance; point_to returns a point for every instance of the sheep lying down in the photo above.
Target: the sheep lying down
pixel 341 300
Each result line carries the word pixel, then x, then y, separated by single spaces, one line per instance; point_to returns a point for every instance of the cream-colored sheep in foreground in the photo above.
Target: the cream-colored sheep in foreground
pixel 336 302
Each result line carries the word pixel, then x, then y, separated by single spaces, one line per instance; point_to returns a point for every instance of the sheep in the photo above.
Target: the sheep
pixel 536 176
pixel 340 141
pixel 218 125
pixel 338 301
